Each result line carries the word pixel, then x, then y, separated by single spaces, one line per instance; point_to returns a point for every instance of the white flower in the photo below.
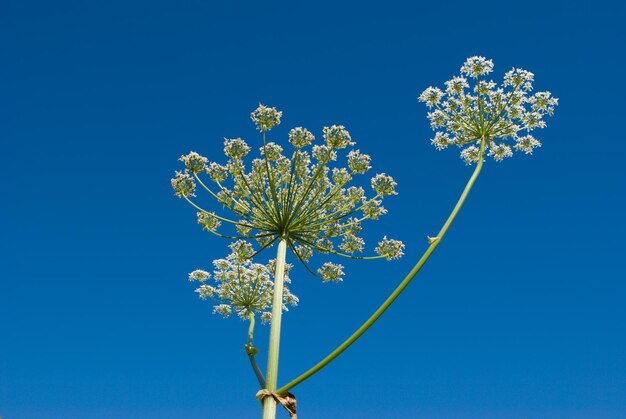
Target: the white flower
pixel 199 275
pixel 331 272
pixel 341 176
pixel 442 140
pixel 236 148
pixel 208 220
pixel 500 151
pixel 488 112
pixel 241 250
pixel 543 102
pixel 384 185
pixel 300 137
pixel 217 172
pixel 373 209
pixel 526 144
pixel 183 184
pixel 241 287
pixel 517 77
pixel 352 243
pixel 390 249
pixel 265 118
pixel 205 291
pixel 455 86
pixel 271 151
pixel 266 316
pixel 222 309
pixel 477 66
pixel 431 96
pixel 337 137
pixel 324 154
pixel 470 154
pixel 194 162
pixel 358 163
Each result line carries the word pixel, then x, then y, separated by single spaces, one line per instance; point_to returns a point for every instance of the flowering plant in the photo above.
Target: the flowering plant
pixel 303 204
pixel 297 199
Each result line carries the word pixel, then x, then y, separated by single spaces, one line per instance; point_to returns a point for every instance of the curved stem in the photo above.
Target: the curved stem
pixel 241 213
pixel 269 403
pixel 251 351
pixel 305 264
pixel 226 220
pixel 347 256
pixel 434 243
pixel 334 252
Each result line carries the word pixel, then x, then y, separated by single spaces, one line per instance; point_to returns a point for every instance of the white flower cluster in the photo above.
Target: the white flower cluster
pixel 265 118
pixel 241 286
pixel 501 116
pixel 183 184
pixel 296 196
pixel 390 249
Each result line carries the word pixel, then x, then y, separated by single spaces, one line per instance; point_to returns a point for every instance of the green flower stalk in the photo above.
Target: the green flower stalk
pixel 301 200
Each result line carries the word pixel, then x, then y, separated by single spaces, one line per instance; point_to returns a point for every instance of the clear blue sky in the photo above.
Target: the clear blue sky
pixel 519 314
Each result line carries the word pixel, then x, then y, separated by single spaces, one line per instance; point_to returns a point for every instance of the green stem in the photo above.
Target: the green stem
pixel 251 351
pixel 241 213
pixel 269 404
pixel 251 328
pixel 256 369
pixel 269 178
pixel 226 220
pixel 357 334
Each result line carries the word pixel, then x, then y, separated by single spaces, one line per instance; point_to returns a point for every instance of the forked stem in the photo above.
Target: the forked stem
pixel 434 242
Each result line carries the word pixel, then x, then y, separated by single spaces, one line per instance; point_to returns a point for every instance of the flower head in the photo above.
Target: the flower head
pixel 199 275
pixel 384 185
pixel 236 148
pixel 300 195
pixel 358 163
pixel 194 162
pixel 431 96
pixel 183 184
pixel 217 172
pixel 337 137
pixel 477 66
pixel 390 249
pixel 241 286
pixel 265 118
pixel 465 116
pixel 331 272
pixel 208 220
pixel 300 137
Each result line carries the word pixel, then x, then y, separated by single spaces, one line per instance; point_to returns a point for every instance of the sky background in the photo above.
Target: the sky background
pixel 520 313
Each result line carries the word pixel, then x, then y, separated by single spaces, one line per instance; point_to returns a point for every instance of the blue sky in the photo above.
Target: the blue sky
pixel 519 314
